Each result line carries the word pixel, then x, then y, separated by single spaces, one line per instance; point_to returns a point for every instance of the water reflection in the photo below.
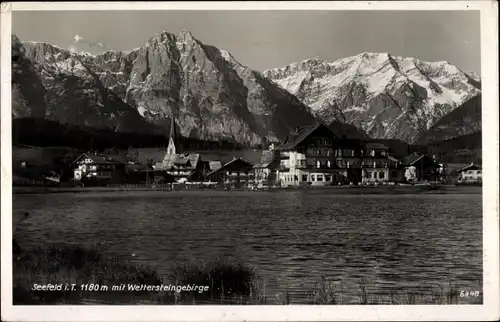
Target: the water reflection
pixel 292 238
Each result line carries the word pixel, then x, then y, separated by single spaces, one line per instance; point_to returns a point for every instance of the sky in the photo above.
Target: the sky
pixel 270 39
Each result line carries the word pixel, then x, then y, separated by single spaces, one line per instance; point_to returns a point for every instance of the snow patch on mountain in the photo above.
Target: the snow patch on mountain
pixel 378 92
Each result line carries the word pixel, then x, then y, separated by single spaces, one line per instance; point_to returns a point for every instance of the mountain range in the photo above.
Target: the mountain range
pixel 214 97
pixel 386 96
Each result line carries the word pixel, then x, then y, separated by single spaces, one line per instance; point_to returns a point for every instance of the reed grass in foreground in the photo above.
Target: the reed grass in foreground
pixel 228 281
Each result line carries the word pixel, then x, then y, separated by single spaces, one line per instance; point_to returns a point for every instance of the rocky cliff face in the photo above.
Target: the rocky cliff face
pixel 384 95
pixel 211 95
pixel 463 120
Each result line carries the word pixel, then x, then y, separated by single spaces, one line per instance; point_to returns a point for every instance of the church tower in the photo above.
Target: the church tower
pixel 171 141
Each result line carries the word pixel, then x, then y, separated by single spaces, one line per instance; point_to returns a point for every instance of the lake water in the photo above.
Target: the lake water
pixel 292 238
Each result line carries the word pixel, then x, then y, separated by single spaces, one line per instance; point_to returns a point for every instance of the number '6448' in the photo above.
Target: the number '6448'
pixel 469 293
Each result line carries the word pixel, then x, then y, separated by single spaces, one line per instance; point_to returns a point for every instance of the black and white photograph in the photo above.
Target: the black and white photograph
pixel 267 157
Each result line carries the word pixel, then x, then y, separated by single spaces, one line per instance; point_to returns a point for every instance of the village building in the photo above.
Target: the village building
pixel 181 166
pixel 471 174
pixel 236 173
pixel 95 169
pixel 378 166
pixel 313 155
pixel 421 167
pixel 348 155
pixel 307 157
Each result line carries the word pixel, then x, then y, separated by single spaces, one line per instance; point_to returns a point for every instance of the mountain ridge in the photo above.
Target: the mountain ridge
pixel 170 75
pixel 215 97
pixel 386 96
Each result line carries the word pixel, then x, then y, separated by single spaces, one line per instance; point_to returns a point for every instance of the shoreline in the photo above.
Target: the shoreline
pixel 59 264
pixel 383 189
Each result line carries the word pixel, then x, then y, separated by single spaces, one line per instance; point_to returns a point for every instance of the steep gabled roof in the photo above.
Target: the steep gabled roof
pixel 301 134
pixel 470 167
pixel 171 160
pixel 412 159
pixel 229 163
pixel 96 158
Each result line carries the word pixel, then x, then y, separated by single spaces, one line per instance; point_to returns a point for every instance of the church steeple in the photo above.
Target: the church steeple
pixel 171 141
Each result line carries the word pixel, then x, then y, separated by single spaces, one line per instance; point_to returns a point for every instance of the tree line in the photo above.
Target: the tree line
pixel 43 133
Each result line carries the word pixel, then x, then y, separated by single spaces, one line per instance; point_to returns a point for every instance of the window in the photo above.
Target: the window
pixel 320 177
pixel 328 177
pixel 374 175
pixel 304 177
pixel 372 153
pixel 348 164
pixel 318 164
pixel 328 164
pixel 313 178
pixel 381 175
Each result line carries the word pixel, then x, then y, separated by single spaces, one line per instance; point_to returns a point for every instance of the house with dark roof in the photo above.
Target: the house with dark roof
pixel 96 169
pixel 378 166
pixel 421 167
pixel 471 174
pixel 313 155
pixel 236 173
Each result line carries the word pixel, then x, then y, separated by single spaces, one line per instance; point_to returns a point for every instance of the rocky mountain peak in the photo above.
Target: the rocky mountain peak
pixel 186 36
pixel 212 95
pixel 385 95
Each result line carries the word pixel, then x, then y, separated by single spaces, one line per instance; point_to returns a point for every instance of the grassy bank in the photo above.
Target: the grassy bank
pixel 226 281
